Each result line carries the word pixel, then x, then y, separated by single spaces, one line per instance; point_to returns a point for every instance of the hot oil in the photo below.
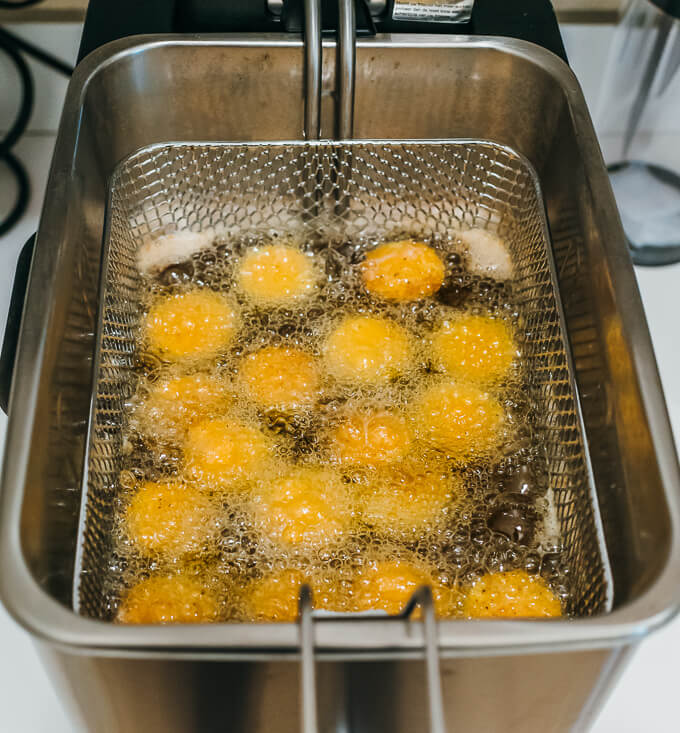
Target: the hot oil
pixel 498 518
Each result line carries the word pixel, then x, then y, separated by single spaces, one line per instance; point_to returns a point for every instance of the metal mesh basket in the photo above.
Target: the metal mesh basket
pixel 332 191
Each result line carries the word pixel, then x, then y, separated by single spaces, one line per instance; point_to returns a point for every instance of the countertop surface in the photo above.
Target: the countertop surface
pixel 645 698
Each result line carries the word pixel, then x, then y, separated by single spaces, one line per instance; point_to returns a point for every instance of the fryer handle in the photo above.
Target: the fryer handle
pixel 421 597
pixel 13 325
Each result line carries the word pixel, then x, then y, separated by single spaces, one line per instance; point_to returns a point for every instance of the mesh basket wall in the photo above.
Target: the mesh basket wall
pixel 332 191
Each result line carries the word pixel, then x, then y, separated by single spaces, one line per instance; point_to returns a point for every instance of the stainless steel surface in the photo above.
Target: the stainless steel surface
pixel 313 51
pixel 346 67
pixel 500 694
pixel 391 189
pixel 406 88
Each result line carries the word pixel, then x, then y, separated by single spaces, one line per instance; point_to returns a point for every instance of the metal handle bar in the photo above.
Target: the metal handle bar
pixel 421 597
pixel 307 669
pixel 346 61
pixel 314 67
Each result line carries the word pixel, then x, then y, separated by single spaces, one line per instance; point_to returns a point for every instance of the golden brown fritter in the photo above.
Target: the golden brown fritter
pixel 476 349
pixel 277 273
pixel 276 596
pixel 404 270
pixel 306 506
pixel 389 585
pixel 195 324
pixel 367 350
pixel 170 519
pixel 222 452
pixel 409 498
pixel 280 377
pixel 513 594
pixel 370 438
pixel 460 420
pixel 175 403
pixel 173 599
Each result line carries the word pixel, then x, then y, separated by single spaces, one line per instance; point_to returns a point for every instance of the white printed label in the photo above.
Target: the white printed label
pixel 434 11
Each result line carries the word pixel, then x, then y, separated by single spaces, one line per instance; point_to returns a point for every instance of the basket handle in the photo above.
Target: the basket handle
pixel 421 597
pixel 313 69
pixel 347 30
pixel 309 716
pixel 347 26
pixel 13 325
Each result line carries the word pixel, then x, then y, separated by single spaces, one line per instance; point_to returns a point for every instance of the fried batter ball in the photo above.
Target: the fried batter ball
pixel 195 324
pixel 221 452
pixel 388 586
pixel 173 599
pixel 367 349
pixel 307 506
pixel 404 270
pixel 513 594
pixel 170 519
pixel 175 403
pixel 371 438
pixel 409 498
pixel 460 420
pixel 164 250
pixel 488 254
pixel 275 597
pixel 276 273
pixel 280 377
pixel 477 349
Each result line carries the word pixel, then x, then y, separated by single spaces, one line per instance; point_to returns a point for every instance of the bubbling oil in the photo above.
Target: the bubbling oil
pixel 288 485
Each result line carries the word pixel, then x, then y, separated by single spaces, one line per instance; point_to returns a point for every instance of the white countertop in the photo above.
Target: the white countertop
pixel 645 699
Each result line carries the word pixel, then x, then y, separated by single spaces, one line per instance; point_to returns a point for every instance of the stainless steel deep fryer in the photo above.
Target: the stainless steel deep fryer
pixel 500 111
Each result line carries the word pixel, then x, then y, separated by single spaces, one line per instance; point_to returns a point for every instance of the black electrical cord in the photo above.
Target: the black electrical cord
pixel 23 192
pixel 32 50
pixel 13 46
pixel 18 4
pixel 20 123
pixel 15 131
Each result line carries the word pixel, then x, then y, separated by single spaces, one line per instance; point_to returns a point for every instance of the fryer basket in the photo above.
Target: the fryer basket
pixel 332 192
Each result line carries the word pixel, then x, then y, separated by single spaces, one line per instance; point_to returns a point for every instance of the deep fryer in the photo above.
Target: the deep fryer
pixel 515 103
